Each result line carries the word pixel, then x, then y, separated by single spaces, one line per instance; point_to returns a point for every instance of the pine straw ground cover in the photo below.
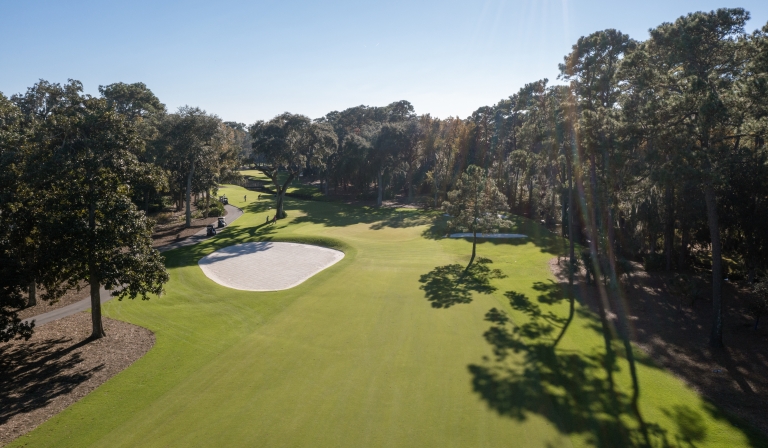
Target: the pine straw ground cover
pixel 675 333
pixel 389 347
pixel 58 366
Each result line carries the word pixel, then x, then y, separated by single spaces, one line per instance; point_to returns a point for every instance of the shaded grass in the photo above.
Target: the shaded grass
pixel 358 356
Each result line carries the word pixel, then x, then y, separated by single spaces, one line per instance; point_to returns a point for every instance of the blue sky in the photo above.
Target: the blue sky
pixel 246 61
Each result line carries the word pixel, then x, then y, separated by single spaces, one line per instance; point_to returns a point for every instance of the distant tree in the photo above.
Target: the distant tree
pixel 387 148
pixel 189 137
pixel 475 205
pixel 290 142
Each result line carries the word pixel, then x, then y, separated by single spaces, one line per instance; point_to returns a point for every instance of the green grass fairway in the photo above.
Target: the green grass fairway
pixel 361 356
pixel 295 186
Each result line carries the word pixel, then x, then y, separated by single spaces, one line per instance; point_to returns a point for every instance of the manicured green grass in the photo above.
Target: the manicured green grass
pixel 358 356
pixel 295 187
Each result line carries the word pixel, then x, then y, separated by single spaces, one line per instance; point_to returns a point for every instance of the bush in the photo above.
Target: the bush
pixel 215 208
pixel 164 218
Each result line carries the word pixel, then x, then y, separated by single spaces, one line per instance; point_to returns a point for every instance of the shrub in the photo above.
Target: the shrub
pixel 216 209
pixel 164 218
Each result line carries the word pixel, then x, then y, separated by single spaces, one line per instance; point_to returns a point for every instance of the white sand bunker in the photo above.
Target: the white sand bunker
pixel 488 235
pixel 266 266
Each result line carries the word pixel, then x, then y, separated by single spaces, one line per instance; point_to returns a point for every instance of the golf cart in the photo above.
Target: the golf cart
pixel 224 200
pixel 210 230
pixel 222 222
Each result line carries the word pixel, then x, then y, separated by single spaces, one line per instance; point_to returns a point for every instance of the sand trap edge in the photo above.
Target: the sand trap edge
pixel 214 276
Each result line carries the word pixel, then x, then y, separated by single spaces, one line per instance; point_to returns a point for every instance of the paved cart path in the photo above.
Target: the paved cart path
pixel 41 319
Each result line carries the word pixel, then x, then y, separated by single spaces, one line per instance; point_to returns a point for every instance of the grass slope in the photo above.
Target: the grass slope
pixel 358 355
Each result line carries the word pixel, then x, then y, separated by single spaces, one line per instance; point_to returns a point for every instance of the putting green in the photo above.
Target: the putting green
pixel 361 355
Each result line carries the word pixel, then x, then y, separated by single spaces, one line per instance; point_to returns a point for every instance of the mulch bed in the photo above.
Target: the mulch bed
pixel 675 335
pixel 59 365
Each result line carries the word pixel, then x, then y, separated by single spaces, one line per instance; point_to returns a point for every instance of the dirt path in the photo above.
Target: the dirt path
pixel 676 337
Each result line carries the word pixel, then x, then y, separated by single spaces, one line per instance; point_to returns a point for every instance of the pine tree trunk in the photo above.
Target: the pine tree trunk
pixel 189 194
pixel 669 226
pixel 32 299
pixel 716 335
pixel 571 254
pixel 684 241
pixel 474 249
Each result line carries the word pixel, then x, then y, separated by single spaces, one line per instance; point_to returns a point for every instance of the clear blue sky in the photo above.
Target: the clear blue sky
pixel 246 61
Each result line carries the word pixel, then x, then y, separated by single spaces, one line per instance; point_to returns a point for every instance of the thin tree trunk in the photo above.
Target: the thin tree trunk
pixel 571 252
pixel 32 299
pixel 669 225
pixel 684 241
pixel 189 194
pixel 716 336
pixel 207 197
pixel 530 198
pixel 474 249
pixel 410 187
pixel 379 198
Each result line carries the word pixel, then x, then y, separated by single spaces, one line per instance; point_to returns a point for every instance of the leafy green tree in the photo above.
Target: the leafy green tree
pixel 140 106
pixel 97 233
pixel 475 205
pixel 189 137
pixel 290 142
pixel 36 108
pixel 14 278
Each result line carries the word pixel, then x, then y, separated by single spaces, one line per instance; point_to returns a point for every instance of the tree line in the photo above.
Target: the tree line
pixel 78 175
pixel 648 150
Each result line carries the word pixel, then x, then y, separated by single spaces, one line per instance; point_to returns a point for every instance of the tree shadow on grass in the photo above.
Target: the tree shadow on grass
pixel 341 215
pixel 449 285
pixel 528 376
pixel 34 374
